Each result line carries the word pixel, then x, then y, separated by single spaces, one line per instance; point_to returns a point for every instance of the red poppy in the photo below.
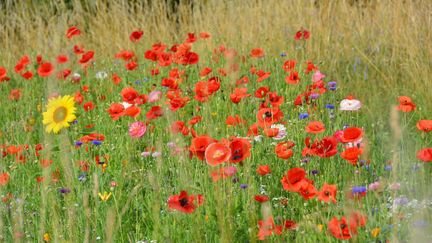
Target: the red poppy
pixel 3 75
pixel 351 135
pixel 132 111
pixel 205 71
pixel 406 104
pixel 294 180
pixel 283 150
pixel 257 52
pixel 27 75
pixel 352 155
pixel 125 55
pixel 15 94
pixel 88 106
pixel 425 155
pixel 267 228
pixel 217 153
pixel 62 59
pixel 261 92
pixel 136 35
pixel 238 95
pixel 4 179
pixel 240 149
pixel 154 72
pixel 310 67
pixel 45 163
pixel 179 126
pixel 262 75
pixel 242 80
pixel 195 120
pixel 72 31
pixel 356 220
pixel 424 125
pixel 45 69
pixel 154 112
pixel 328 193
pixel 78 49
pixel 327 147
pixel 289 65
pixel 302 34
pixel 116 111
pixel 274 99
pixel 235 121
pixel 268 116
pixel 63 74
pixel 315 127
pixel 293 78
pixel 116 79
pixel 263 170
pixel 185 203
pixel 271 132
pixel 129 95
pixel 261 198
pixel 86 57
pixel 339 228
pixel 205 35
pixel 131 65
pixel 308 190
pixel 199 145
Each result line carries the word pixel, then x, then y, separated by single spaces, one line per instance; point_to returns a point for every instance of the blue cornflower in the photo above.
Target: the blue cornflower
pixel 303 116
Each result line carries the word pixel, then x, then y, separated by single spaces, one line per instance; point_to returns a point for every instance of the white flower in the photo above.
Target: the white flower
pixel 126 105
pixel 76 76
pixel 101 75
pixel 258 138
pixel 350 105
pixel 281 131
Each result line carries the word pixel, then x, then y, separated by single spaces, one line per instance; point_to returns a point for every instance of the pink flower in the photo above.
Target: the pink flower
pixel 154 96
pixel 137 129
pixel 374 186
pixel 317 76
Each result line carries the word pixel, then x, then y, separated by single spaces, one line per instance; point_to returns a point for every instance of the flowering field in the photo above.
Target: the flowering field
pixel 199 138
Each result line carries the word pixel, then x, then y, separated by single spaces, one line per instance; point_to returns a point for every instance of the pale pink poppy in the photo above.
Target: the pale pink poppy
pixel 317 76
pixel 154 96
pixel 137 129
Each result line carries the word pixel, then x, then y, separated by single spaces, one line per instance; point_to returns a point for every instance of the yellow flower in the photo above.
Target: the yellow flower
pixel 375 232
pixel 60 112
pixel 320 227
pixel 46 237
pixel 105 196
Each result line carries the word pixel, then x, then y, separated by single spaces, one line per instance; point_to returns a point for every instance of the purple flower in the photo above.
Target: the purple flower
pixel 96 142
pixel 388 168
pixel 330 106
pixel 314 172
pixel 359 189
pixel 78 143
pixel 332 85
pixel 243 186
pixel 401 201
pixel 314 96
pixel 64 190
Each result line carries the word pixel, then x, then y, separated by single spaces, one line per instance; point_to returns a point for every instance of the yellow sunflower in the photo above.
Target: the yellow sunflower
pixel 60 112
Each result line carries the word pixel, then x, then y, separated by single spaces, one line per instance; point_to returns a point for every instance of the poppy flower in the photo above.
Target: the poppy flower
pixel 315 127
pixel 289 65
pixel 350 104
pixel 352 155
pixel 195 120
pixel 86 57
pixel 424 125
pixel 154 112
pixel 15 94
pixel 406 104
pixel 205 35
pixel 425 155
pixel 294 180
pixel 327 193
pixel 4 178
pixel 283 150
pixel 137 129
pixel 131 65
pixel 352 135
pixel 217 153
pixel 263 170
pixel 261 92
pixel 293 78
pixel 205 71
pixel 72 31
pixel 262 75
pixel 261 198
pixel 327 147
pixel 240 149
pixel 257 52
pixel 45 69
pixel 129 95
pixel 3 75
pixel 62 59
pixel 199 145
pixel 275 99
pixel 267 228
pixel 271 131
pixel 185 203
pixel 179 126
pixel 238 95
pixel 235 121
pixel 268 116
pixel 136 35
pixel 116 110
pixel 27 75
pixel 339 228
pixel 308 190
pixel 223 173
pixel 356 220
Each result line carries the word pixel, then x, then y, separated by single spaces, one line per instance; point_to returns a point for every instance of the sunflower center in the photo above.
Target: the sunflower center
pixel 60 114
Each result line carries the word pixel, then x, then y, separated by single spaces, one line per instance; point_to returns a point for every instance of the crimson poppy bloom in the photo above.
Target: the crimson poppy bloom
pixel 179 126
pixel 406 104
pixel 425 155
pixel 116 111
pixel 257 52
pixel 154 112
pixel 205 71
pixel 339 228
pixel 199 145
pixel 72 31
pixel 240 149
pixel 351 135
pixel 261 198
pixel 3 75
pixel 131 65
pixel 45 69
pixel 185 203
pixel 4 179
pixel 86 57
pixel 289 65
pixel 293 78
pixel 315 127
pixel 88 106
pixel 352 155
pixel 136 35
pixel 294 180
pixel 129 95
pixel 268 116
pixel 424 125
pixel 308 190
pixel 327 193
pixel 263 170
pixel 217 153
pixel 238 95
pixel 261 92
pixel 283 150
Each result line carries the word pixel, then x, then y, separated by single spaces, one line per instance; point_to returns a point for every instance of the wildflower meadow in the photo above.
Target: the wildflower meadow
pixel 215 121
